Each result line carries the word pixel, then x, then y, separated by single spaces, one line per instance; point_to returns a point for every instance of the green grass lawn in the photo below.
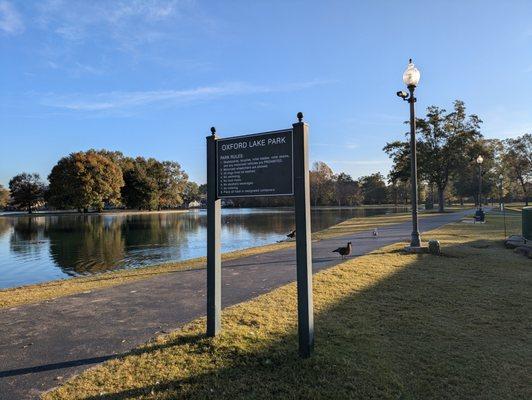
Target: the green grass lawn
pixel 388 325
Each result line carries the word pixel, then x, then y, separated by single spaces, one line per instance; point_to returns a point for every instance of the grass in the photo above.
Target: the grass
pixel 388 325
pixel 50 290
pixel 515 207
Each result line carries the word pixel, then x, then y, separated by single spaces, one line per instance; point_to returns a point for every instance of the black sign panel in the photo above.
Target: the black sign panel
pixel 255 165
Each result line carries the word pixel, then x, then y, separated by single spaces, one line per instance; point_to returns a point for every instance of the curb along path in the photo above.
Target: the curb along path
pixel 44 344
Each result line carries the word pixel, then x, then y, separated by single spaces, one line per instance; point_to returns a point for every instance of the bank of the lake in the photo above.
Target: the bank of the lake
pixel 74 212
pixel 40 248
pixel 388 325
pixel 48 290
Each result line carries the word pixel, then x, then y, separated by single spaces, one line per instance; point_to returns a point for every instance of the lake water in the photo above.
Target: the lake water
pixel 42 248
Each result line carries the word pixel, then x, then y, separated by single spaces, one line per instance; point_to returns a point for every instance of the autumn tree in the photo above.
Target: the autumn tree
pixel 27 190
pixel 321 183
pixel 85 180
pixel 4 197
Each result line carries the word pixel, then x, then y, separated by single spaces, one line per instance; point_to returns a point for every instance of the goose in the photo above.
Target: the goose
pixel 292 234
pixel 343 251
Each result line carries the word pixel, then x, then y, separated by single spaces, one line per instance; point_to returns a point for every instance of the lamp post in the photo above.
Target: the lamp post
pixel 479 162
pixel 501 180
pixel 501 202
pixel 411 79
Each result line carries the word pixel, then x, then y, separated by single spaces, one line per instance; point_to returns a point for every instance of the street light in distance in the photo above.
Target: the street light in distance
pixel 480 160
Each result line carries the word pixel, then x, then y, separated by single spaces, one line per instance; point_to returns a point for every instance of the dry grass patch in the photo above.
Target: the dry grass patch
pixel 388 326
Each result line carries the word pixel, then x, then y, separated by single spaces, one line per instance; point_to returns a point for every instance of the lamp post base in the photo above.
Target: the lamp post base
pixel 416 249
pixel 415 240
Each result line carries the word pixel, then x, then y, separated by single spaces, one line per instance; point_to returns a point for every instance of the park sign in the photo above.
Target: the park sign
pixel 255 165
pixel 274 163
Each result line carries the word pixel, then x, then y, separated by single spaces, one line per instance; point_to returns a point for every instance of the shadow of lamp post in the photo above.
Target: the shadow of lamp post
pixel 411 79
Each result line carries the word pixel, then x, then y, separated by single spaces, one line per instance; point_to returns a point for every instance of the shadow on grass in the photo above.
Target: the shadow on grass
pixel 434 329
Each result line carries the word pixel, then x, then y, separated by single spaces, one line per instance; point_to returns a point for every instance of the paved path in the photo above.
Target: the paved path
pixel 43 344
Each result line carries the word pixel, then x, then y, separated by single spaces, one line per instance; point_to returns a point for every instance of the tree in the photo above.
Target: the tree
pixel 321 183
pixel 151 184
pixel 442 146
pixel 27 190
pixel 4 197
pixel 191 192
pixel 399 190
pixel 517 161
pixel 202 189
pixel 171 181
pixel 85 180
pixel 466 183
pixel 140 188
pixel 374 189
pixel 348 191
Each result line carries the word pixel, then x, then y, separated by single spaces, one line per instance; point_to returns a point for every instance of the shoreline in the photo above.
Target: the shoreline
pixel 76 213
pixel 37 292
pixel 181 211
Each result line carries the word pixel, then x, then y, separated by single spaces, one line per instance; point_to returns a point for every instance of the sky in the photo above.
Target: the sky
pixel 149 78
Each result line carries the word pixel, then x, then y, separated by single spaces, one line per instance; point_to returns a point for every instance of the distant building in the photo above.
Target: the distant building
pixel 194 204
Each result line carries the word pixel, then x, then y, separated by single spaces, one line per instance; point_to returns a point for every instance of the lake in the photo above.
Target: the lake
pixel 47 247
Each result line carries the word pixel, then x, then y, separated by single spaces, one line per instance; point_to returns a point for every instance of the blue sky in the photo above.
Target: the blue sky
pixel 150 78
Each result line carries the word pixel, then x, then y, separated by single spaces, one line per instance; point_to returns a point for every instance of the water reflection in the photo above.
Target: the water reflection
pixel 85 244
pixel 35 249
pixel 28 236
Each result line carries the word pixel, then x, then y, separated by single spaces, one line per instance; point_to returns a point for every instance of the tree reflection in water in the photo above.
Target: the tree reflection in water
pixel 84 244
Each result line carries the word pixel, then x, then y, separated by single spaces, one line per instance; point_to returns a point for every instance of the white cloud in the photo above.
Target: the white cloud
pixel 10 20
pixel 128 22
pixel 126 100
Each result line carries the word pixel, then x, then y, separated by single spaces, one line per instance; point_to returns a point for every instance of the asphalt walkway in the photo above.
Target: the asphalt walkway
pixel 44 344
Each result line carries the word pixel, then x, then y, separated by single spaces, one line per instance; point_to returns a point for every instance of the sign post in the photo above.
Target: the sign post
pixel 305 313
pixel 265 164
pixel 214 257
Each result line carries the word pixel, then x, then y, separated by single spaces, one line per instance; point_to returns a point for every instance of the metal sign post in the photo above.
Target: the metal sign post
pixel 305 312
pixel 265 164
pixel 214 256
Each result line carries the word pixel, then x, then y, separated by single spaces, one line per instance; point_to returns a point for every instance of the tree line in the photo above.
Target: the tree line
pixel 96 179
pixel 448 144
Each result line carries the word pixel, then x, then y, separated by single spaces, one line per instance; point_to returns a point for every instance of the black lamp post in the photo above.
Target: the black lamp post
pixel 411 79
pixel 501 202
pixel 479 162
pixel 501 180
